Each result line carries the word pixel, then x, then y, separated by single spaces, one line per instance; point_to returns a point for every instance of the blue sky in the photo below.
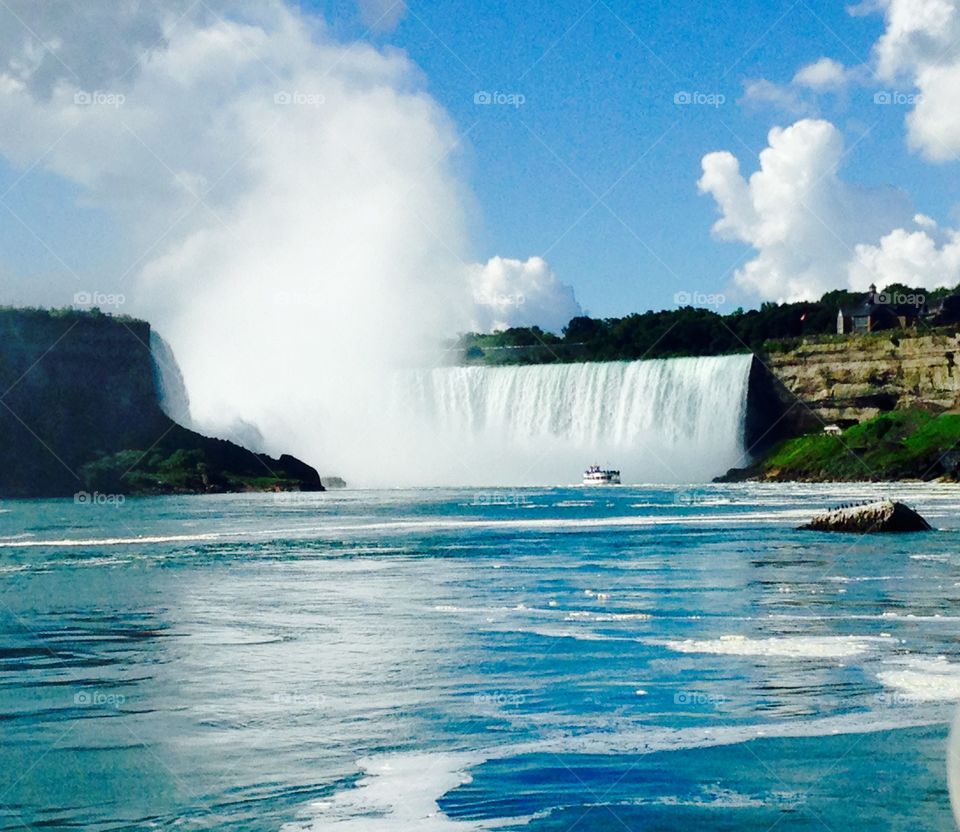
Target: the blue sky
pixel 589 162
pixel 599 81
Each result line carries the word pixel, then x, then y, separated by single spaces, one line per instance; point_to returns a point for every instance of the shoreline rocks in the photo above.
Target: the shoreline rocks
pixel 882 516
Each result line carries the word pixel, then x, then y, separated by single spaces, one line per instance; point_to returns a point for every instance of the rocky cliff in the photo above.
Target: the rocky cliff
pixel 80 412
pixel 850 379
pixel 893 394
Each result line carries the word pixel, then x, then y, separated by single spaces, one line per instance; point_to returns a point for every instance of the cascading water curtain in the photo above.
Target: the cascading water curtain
pixel 674 420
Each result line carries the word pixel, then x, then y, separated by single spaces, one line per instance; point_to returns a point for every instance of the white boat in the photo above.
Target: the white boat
pixel 595 475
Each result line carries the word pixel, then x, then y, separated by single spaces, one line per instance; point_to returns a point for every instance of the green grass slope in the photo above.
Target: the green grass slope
pixel 902 444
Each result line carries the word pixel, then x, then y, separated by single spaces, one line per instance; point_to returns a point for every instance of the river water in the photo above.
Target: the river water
pixel 631 658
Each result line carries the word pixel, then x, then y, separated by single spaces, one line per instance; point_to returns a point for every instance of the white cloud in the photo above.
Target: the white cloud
pixel 823 74
pixel 919 46
pixel 802 219
pixel 801 95
pixel 915 258
pixel 512 293
pixel 783 97
pixel 44 43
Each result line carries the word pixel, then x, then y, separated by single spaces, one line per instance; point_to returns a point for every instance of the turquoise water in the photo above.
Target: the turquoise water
pixel 541 659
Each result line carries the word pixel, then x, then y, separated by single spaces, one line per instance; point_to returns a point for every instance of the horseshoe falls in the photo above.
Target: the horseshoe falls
pixel 672 420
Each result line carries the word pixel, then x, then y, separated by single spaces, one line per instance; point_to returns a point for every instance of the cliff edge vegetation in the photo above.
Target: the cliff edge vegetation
pixel 910 444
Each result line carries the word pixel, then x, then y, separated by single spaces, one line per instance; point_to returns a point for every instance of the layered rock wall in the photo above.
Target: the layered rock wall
pixel 844 381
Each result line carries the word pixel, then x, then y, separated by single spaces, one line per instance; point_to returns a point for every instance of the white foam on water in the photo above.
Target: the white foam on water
pixel 601 617
pixel 67 543
pixel 650 739
pixel 413 526
pixel 924 679
pixel 576 635
pixel 821 647
pixel 714 799
pixel 399 793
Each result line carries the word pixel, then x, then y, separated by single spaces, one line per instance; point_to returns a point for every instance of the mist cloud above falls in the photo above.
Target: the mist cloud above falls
pixel 287 208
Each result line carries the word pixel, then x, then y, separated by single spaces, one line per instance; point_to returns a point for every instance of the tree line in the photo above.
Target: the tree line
pixel 672 333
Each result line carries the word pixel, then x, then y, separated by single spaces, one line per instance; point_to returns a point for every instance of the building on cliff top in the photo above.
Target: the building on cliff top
pixel 879 311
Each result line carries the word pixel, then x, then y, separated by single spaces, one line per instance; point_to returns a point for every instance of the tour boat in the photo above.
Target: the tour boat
pixel 595 475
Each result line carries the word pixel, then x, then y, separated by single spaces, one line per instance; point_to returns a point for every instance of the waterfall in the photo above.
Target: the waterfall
pixel 672 420
pixel 175 402
pixel 168 380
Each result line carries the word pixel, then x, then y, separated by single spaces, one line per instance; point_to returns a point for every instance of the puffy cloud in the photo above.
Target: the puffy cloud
pixel 802 219
pixel 920 47
pixel 918 32
pixel 42 44
pixel 511 293
pixel 926 258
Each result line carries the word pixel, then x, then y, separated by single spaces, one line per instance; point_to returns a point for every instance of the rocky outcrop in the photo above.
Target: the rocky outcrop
pixel 80 412
pixel 881 516
pixel 850 379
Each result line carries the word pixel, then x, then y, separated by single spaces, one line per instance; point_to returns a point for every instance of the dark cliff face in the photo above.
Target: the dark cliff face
pixel 773 412
pixel 74 386
pixel 79 411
